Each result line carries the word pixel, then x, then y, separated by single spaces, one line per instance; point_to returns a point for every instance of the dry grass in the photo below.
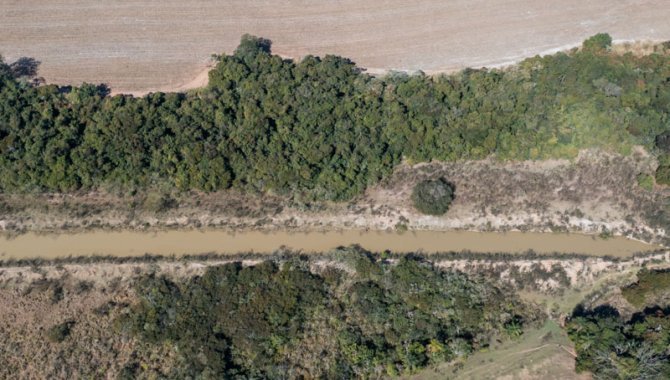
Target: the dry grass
pixel 596 192
pixel 164 44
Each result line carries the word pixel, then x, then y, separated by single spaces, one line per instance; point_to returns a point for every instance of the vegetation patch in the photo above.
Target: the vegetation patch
pixel 60 332
pixel 433 197
pixel 645 181
pixel 321 128
pixel 663 170
pixel 359 317
pixel 652 286
pixel 613 348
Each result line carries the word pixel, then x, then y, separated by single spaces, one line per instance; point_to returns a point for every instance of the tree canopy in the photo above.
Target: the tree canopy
pixel 361 317
pixel 321 128
pixel 433 197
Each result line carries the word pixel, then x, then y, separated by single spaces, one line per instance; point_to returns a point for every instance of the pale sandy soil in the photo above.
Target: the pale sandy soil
pixel 136 46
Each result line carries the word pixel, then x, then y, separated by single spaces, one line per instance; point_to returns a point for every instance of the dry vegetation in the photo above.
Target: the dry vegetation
pixel 597 193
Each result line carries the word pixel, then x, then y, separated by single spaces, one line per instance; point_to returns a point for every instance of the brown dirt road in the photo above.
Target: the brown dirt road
pixel 140 45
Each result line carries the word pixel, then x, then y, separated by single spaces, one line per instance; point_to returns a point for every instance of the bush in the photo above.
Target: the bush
pixel 433 197
pixel 59 332
pixel 645 181
pixel 663 142
pixel 600 41
pixel 158 202
pixel 651 286
pixel 663 170
pixel 612 347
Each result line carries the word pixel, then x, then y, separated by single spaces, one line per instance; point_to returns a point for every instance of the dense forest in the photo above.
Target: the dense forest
pixel 360 316
pixel 612 346
pixel 322 128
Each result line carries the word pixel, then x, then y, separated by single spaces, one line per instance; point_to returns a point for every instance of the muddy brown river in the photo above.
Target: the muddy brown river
pixel 127 243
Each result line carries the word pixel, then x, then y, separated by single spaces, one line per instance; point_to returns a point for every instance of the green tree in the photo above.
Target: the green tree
pixel 433 197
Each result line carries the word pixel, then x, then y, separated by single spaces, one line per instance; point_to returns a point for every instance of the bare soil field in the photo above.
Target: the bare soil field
pixel 137 46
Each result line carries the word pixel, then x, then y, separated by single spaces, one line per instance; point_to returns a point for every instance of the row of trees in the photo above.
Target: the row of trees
pixel 321 128
pixel 360 317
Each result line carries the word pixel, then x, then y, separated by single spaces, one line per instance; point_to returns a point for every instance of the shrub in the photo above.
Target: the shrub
pixel 277 319
pixel 59 332
pixel 158 202
pixel 663 170
pixel 433 197
pixel 651 284
pixel 600 41
pixel 663 142
pixel 645 181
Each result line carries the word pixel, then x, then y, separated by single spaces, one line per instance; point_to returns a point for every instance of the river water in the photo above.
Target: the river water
pixel 129 243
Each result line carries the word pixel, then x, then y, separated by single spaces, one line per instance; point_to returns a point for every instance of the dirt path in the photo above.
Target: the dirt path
pixel 136 46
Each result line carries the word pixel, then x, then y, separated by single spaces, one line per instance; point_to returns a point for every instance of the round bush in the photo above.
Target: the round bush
pixel 433 197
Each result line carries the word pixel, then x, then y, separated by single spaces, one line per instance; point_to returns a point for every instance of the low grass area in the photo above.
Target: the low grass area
pixel 566 302
pixel 543 353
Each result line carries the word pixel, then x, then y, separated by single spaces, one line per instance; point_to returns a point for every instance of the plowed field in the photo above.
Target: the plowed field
pixel 137 46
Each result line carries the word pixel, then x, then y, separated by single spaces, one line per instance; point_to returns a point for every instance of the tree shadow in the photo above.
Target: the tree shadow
pixel 103 90
pixel 608 311
pixel 25 67
pixel 602 311
pixel 655 310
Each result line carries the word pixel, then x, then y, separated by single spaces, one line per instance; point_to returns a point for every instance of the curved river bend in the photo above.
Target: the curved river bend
pixel 129 243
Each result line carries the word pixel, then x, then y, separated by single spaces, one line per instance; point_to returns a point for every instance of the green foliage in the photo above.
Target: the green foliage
pixel 663 142
pixel 251 46
pixel 322 129
pixel 612 348
pixel 651 285
pixel 284 321
pixel 59 332
pixel 663 170
pixel 645 181
pixel 599 42
pixel 433 197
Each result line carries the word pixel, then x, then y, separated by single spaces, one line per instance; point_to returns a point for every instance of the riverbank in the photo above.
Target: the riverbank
pixel 597 193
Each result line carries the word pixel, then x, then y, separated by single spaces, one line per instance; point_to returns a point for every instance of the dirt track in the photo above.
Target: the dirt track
pixel 165 44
